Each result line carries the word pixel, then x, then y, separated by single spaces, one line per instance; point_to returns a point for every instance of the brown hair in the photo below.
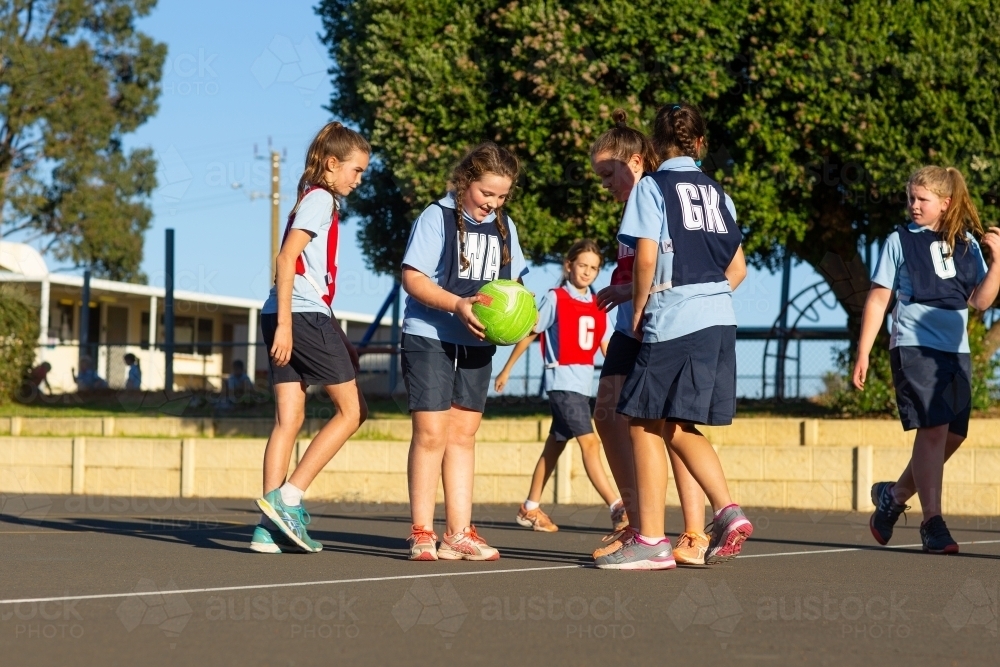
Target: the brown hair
pixel 676 131
pixel 579 247
pixel 622 142
pixel 333 140
pixel 961 215
pixel 486 158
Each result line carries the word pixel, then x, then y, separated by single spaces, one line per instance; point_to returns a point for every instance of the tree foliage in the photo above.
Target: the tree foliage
pixel 75 77
pixel 19 329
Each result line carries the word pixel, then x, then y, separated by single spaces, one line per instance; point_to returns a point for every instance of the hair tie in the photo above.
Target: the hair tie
pixel 676 106
pixel 697 163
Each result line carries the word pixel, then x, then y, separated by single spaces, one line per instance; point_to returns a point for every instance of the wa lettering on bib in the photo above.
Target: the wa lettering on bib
pixel 483 250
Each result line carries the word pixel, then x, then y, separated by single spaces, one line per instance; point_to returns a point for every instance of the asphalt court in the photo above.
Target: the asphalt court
pixel 129 581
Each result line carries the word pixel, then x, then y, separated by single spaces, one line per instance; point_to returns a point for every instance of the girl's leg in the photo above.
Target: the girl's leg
pixel 701 460
pixel 927 466
pixel 546 464
pixel 691 496
pixel 650 474
pixel 289 413
pixel 906 487
pixel 590 451
pixel 458 467
pixel 423 466
pixel 613 430
pixel 352 411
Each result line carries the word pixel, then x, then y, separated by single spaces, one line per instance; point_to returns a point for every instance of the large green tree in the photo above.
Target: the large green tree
pixel 818 111
pixel 75 77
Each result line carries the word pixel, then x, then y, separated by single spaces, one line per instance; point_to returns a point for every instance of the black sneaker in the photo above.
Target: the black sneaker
pixel 936 538
pixel 886 513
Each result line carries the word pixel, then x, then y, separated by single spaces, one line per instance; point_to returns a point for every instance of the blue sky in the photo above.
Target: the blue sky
pixel 236 74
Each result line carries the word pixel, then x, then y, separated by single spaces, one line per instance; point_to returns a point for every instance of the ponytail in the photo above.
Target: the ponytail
pixel 676 132
pixel 332 141
pixel 961 215
pixel 622 142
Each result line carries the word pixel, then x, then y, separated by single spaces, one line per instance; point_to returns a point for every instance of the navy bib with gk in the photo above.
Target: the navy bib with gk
pixel 704 235
pixel 483 249
pixel 938 280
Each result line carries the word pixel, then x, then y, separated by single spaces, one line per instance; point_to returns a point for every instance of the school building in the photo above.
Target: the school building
pixel 210 331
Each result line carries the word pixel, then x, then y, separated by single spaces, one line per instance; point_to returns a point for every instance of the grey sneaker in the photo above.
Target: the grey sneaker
pixel 636 555
pixel 728 531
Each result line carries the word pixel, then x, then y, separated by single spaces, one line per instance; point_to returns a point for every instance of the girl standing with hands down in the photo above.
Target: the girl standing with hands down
pixel 937 270
pixel 688 260
pixel 573 329
pixel 306 345
pixel 457 245
pixel 620 156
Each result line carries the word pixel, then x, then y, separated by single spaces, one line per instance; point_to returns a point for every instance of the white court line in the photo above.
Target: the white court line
pixel 835 551
pixel 328 582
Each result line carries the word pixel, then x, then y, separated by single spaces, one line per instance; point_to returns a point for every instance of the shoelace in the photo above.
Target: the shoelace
pixel 892 505
pixel 690 539
pixel 418 532
pixel 474 536
pixel 937 529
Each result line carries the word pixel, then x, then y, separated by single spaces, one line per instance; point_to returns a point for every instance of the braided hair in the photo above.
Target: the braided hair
pixel 486 158
pixel 677 131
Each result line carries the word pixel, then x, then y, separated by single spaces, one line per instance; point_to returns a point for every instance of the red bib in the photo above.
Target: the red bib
pixel 581 329
pixel 622 274
pixel 326 291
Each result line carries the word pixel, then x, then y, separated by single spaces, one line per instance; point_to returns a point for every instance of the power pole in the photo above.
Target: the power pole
pixel 276 160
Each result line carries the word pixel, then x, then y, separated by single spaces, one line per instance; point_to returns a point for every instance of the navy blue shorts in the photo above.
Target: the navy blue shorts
pixel 687 379
pixel 319 355
pixel 571 413
pixel 439 375
pixel 622 351
pixel 933 388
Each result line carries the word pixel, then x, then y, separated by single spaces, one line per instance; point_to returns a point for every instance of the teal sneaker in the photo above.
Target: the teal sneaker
pixel 291 520
pixel 266 541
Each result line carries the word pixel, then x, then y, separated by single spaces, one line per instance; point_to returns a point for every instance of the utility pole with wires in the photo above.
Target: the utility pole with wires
pixel 276 160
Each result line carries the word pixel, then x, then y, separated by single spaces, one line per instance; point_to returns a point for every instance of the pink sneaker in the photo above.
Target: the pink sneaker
pixel 466 545
pixel 728 531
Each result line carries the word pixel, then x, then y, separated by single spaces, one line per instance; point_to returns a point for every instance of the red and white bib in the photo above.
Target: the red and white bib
pixel 326 291
pixel 581 329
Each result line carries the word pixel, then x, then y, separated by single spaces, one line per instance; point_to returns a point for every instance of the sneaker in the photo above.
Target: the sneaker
pixel 936 538
pixel 691 548
pixel 886 513
pixel 423 543
pixel 615 539
pixel 619 519
pixel 535 519
pixel 637 555
pixel 291 520
pixel 729 531
pixel 466 545
pixel 266 541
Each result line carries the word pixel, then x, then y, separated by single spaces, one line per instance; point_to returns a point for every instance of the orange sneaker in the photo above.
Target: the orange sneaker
pixel 423 543
pixel 466 545
pixel 535 519
pixel 616 539
pixel 691 548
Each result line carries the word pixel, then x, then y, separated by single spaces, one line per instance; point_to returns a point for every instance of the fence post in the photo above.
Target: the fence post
pixel 187 467
pixel 79 463
pixel 863 473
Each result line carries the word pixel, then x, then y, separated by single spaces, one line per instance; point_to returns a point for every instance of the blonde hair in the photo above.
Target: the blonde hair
pixel 622 142
pixel 961 215
pixel 486 158
pixel 579 247
pixel 332 141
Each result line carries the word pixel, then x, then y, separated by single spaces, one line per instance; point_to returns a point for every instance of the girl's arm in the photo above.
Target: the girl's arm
pixel 519 349
pixel 432 295
pixel 604 348
pixel 986 292
pixel 871 321
pixel 642 280
pixel 284 270
pixel 737 269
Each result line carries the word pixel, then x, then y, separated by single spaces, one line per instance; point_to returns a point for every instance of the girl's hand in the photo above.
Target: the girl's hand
pixel 281 350
pixel 614 295
pixel 860 372
pixel 991 239
pixel 501 382
pixel 464 313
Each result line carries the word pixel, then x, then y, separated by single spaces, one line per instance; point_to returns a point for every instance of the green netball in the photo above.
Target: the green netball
pixel 507 310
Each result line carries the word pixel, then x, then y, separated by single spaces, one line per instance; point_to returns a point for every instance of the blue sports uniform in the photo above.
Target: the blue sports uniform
pixel 686 366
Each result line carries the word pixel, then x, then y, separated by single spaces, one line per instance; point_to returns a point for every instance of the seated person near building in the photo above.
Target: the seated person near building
pixel 134 380
pixel 238 384
pixel 38 375
pixel 88 379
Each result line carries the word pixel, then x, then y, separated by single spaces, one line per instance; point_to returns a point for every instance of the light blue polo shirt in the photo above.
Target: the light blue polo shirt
pixel 425 253
pixel 683 309
pixel 569 377
pixel 914 324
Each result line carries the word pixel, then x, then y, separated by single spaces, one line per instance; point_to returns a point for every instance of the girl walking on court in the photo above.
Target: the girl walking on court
pixel 458 244
pixel 620 156
pixel 572 328
pixel 936 268
pixel 688 261
pixel 305 343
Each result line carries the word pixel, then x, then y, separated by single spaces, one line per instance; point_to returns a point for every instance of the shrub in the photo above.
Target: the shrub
pixel 19 330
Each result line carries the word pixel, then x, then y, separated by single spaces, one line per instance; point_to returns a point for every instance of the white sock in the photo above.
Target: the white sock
pixel 613 506
pixel 291 495
pixel 650 541
pixel 531 505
